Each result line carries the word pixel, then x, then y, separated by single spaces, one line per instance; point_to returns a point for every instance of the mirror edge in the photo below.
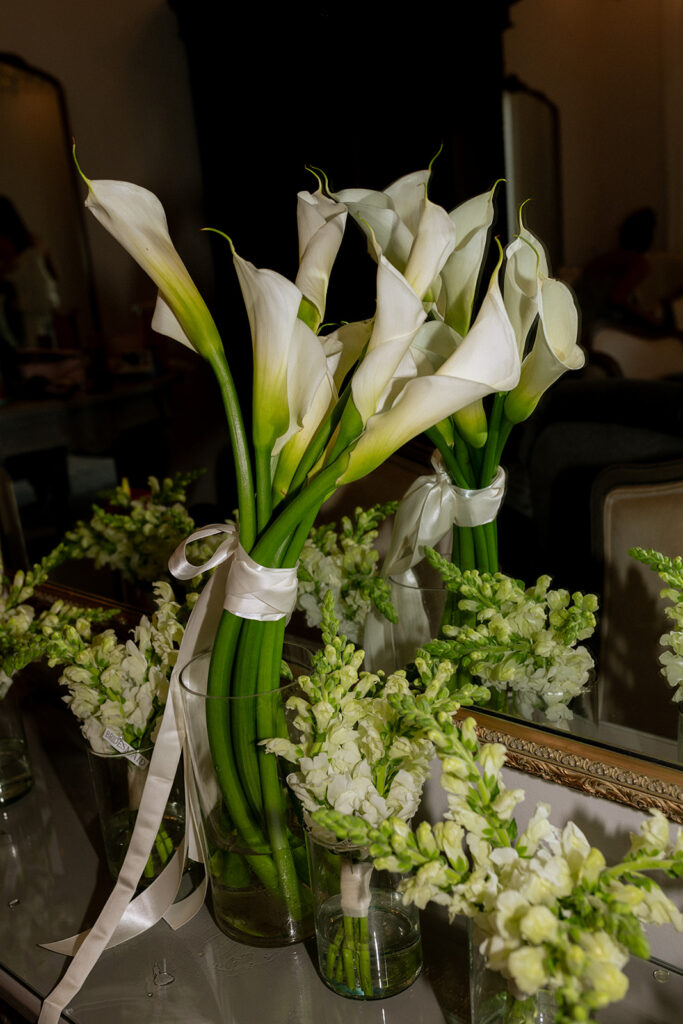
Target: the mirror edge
pixel 596 771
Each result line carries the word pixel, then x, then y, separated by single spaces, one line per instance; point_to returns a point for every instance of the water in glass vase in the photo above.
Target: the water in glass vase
pixel 117 834
pixel 372 957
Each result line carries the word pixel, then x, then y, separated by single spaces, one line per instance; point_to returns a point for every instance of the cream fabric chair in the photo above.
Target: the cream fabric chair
pixel 635 506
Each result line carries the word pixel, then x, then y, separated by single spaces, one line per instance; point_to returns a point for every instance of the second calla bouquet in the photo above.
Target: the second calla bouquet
pixel 329 406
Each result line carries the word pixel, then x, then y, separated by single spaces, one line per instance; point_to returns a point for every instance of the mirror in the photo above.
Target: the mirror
pixel 538 511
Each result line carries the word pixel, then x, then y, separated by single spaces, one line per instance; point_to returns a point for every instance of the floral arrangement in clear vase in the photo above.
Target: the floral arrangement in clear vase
pixel 344 560
pixel 118 691
pixel 329 405
pixel 357 756
pixel 521 642
pixel 670 571
pixel 25 636
pixel 549 915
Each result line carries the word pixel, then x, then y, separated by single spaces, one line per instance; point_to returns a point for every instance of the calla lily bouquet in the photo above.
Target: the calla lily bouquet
pixel 670 571
pixel 536 311
pixel 329 406
pixel 550 913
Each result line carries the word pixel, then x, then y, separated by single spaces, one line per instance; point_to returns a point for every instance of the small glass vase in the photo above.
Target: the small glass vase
pixel 16 777
pixel 260 892
pixel 369 944
pixel 491 998
pixel 118 784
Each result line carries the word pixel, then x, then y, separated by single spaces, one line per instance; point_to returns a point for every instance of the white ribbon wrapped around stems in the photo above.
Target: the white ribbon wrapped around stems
pixel 428 510
pixel 251 591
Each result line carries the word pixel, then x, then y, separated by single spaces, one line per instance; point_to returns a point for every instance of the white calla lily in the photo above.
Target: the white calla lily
pixel 400 314
pixel 472 221
pixel 555 349
pixel 321 223
pixel 485 362
pixel 390 219
pixel 288 359
pixel 136 219
pixel 525 269
pixel 433 244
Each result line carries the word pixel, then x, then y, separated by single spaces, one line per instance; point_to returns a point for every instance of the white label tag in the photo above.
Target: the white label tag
pixel 124 748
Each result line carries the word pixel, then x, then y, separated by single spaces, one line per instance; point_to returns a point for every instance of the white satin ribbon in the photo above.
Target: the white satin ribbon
pixel 428 510
pixel 430 507
pixel 124 916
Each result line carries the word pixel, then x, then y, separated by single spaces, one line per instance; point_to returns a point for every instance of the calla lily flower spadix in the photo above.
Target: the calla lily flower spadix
pixel 330 405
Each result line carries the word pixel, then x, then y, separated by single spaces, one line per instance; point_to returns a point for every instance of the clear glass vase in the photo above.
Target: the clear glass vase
pixel 492 1000
pixel 118 784
pixel 369 944
pixel 257 865
pixel 16 777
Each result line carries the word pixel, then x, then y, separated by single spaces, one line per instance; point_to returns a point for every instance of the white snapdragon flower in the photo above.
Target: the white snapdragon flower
pixel 526 967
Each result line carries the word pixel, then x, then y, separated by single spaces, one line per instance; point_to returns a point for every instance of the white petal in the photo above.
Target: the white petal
pixel 343 347
pixel 399 315
pixel 526 266
pixel 136 219
pixel 460 275
pixel 434 242
pixel 166 322
pixel 555 349
pixel 272 304
pixel 321 224
pixel 306 368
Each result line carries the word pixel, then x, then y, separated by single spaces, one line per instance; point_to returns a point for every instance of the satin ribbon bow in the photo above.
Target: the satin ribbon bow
pixel 428 510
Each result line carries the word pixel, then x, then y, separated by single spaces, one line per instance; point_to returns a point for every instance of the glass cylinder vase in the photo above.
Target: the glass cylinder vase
pixel 492 999
pixel 369 944
pixel 118 784
pixel 16 777
pixel 256 858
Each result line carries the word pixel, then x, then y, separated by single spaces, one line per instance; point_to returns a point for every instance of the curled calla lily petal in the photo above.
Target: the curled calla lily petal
pixel 390 219
pixel 295 448
pixel 344 346
pixel 306 368
pixel 399 315
pixel 472 221
pixel 272 304
pixel 526 267
pixel 485 362
pixel 555 349
pixel 433 244
pixel 321 223
pixel 136 219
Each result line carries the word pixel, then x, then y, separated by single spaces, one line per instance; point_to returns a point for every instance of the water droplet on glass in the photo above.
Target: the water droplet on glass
pixel 13 903
pixel 661 975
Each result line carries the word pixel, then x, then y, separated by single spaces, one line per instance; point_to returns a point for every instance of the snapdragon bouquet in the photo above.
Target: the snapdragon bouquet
pixel 521 642
pixel 329 405
pixel 344 561
pixel 136 535
pixel 355 755
pixel 118 691
pixel 548 913
pixel 25 633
